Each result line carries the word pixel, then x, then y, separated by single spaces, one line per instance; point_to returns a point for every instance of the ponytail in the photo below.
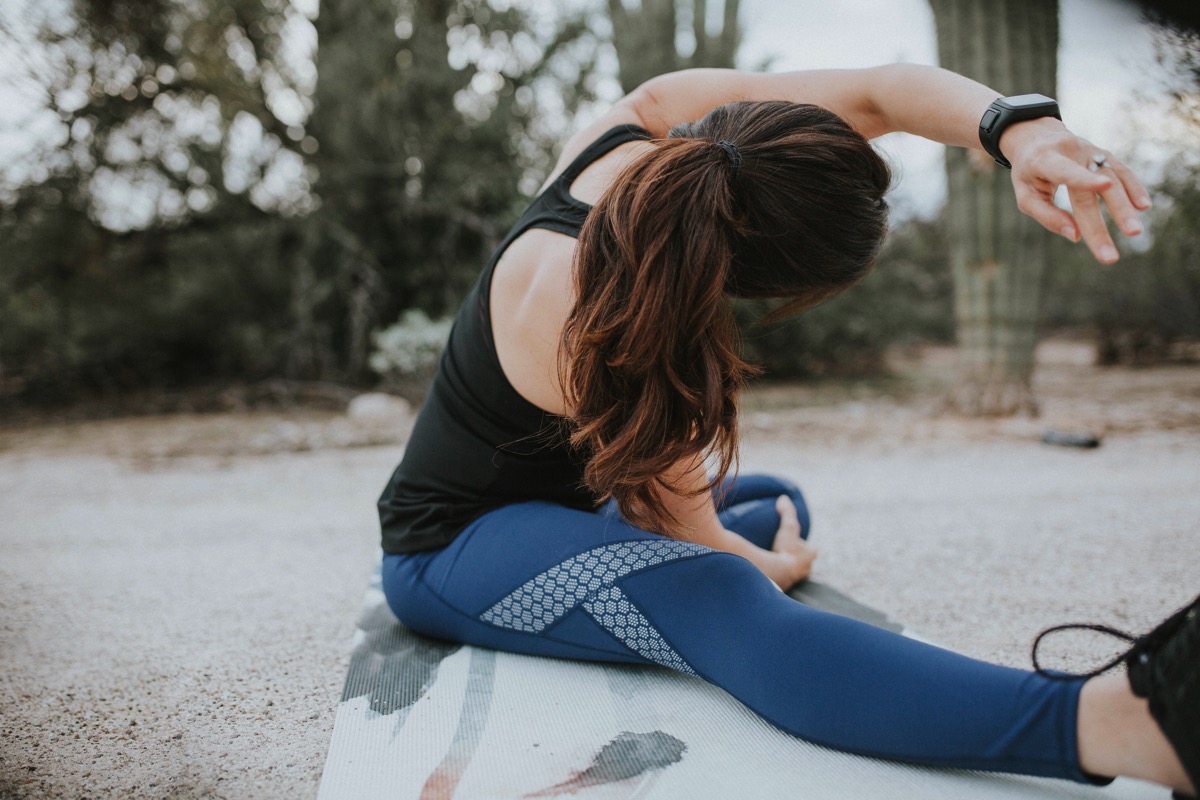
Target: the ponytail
pixel 650 360
pixel 764 199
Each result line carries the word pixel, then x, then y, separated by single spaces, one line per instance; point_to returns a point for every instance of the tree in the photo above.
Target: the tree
pixel 425 114
pixel 1177 41
pixel 131 253
pixel 646 38
pixel 209 206
pixel 1146 309
pixel 998 255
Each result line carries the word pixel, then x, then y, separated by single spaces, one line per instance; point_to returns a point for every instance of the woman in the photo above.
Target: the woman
pixel 554 498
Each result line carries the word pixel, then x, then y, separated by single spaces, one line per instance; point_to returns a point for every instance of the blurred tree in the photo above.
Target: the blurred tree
pixel 1146 309
pixel 1179 15
pixel 998 255
pixel 426 113
pixel 1176 32
pixel 167 230
pixel 139 156
pixel 648 38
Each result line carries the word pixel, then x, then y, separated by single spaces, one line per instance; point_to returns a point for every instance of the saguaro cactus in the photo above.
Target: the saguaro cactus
pixel 997 254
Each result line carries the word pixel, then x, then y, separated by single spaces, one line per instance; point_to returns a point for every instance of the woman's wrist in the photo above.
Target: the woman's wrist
pixel 1018 139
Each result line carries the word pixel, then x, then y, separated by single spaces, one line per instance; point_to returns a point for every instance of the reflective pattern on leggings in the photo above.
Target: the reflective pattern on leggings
pixel 546 580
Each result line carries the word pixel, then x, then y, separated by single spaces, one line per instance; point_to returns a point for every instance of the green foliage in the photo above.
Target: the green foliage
pixel 1177 42
pixel 213 196
pixel 108 311
pixel 207 208
pixel 146 244
pixel 1149 301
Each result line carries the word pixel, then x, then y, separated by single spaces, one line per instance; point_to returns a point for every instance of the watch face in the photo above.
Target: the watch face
pixel 1027 100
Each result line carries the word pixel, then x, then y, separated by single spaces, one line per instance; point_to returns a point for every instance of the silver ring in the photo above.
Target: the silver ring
pixel 1099 162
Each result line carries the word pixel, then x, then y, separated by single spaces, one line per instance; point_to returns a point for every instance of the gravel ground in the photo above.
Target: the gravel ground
pixel 177 594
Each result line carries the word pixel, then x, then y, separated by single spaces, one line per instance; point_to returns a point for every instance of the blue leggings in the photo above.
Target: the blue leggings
pixel 546 580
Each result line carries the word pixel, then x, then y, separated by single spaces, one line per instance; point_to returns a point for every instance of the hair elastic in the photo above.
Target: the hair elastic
pixel 735 157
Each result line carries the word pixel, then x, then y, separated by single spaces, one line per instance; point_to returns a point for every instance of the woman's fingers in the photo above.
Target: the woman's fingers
pixel 1133 187
pixel 1109 180
pixel 1092 228
pixel 1039 204
pixel 1120 204
pixel 1123 193
pixel 1036 181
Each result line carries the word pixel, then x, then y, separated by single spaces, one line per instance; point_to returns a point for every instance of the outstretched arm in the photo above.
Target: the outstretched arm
pixel 926 101
pixel 946 107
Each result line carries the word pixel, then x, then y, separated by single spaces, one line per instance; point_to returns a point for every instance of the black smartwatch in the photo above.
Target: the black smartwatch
pixel 1008 110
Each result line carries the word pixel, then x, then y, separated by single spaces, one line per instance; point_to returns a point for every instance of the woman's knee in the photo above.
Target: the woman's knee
pixel 750 504
pixel 802 512
pixel 755 486
pixel 705 606
pixel 404 591
pixel 716 580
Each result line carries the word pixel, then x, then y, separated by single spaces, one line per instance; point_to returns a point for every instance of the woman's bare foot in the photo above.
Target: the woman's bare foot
pixel 796 555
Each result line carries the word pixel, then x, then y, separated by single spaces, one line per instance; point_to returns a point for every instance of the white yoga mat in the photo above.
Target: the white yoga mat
pixel 430 720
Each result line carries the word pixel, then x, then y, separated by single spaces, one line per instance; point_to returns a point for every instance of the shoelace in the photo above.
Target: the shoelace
pixel 1169 658
pixel 1058 675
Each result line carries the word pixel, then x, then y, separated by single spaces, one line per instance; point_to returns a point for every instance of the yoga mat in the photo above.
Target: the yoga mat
pixel 432 720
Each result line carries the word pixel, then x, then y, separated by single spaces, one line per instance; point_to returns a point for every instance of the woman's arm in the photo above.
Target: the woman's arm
pixel 926 101
pixel 787 563
pixel 945 107
pixel 922 100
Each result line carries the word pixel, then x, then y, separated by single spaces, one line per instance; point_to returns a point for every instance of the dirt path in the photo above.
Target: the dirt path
pixel 177 594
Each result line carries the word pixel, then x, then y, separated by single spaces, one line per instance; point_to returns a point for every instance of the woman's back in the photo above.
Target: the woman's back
pixel 491 430
pixel 532 286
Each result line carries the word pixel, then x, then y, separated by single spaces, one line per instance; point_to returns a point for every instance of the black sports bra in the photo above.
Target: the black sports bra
pixel 477 443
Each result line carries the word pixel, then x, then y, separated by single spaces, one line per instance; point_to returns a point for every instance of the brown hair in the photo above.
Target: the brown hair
pixel 757 199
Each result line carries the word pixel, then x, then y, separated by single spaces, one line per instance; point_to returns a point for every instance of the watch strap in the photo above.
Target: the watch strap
pixel 1005 111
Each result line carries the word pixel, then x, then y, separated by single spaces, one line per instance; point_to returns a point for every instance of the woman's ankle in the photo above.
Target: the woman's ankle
pixel 1117 736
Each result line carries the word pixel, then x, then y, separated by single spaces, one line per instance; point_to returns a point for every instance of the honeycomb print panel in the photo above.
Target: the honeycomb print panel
pixel 612 609
pixel 551 595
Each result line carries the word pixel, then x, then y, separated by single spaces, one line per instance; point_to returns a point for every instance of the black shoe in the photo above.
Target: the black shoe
pixel 1164 668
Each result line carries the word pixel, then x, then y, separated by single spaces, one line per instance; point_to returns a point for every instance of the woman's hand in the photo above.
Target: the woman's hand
pixel 793 556
pixel 1045 155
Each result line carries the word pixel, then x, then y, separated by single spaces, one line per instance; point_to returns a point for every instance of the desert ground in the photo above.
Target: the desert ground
pixel 178 592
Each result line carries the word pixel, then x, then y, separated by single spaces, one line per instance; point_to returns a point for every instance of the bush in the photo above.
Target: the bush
pixel 408 351
pixel 1147 304
pixel 84 309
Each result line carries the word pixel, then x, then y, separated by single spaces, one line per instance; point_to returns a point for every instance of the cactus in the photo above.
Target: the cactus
pixel 997 254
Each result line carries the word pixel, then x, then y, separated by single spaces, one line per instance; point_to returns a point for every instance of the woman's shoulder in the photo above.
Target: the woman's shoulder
pixel 622 114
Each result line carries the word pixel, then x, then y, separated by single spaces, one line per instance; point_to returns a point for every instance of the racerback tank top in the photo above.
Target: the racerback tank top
pixel 477 444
